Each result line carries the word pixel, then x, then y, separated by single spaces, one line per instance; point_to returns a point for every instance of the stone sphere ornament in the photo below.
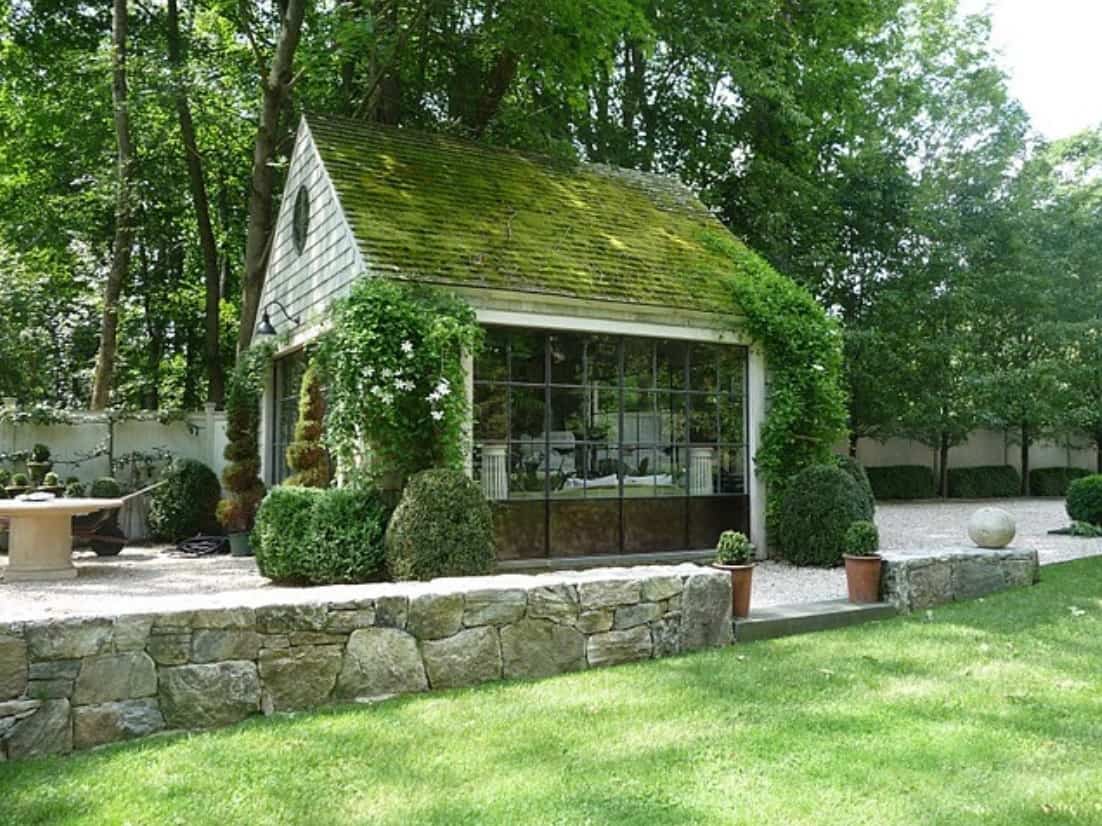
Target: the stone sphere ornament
pixel 991 528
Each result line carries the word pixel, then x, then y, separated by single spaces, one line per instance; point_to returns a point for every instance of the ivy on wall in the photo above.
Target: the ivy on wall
pixel 803 352
pixel 393 368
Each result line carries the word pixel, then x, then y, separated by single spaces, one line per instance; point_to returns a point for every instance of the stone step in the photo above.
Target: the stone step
pixel 805 617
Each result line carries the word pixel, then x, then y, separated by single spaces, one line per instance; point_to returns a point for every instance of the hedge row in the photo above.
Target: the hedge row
pixel 1054 481
pixel 984 482
pixel 902 482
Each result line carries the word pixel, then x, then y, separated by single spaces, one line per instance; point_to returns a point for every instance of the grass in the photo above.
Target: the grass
pixel 982 713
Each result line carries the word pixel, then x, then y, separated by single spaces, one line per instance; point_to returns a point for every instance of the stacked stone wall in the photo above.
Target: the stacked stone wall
pixel 76 683
pixel 916 580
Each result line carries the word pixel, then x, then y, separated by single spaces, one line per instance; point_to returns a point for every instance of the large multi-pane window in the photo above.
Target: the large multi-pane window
pixel 289 370
pixel 600 444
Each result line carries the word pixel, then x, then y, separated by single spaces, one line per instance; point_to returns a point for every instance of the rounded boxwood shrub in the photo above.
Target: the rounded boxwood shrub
pixel 442 527
pixel 856 470
pixel 186 505
pixel 862 538
pixel 347 536
pixel 1085 499
pixel 105 488
pixel 820 504
pixel 281 538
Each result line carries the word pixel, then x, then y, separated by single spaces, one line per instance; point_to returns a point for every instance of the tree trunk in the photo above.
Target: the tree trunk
pixel 120 264
pixel 853 439
pixel 201 202
pixel 943 465
pixel 494 89
pixel 1027 439
pixel 276 87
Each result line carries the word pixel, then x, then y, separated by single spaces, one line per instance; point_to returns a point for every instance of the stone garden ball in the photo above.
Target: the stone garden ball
pixel 991 528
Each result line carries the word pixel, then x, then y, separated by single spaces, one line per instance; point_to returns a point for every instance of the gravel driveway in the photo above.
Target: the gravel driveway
pixel 146 579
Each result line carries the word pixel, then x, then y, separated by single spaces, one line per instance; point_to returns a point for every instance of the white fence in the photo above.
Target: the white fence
pixel 984 447
pixel 200 436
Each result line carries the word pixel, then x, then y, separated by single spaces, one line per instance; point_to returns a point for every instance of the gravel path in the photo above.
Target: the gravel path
pixel 147 579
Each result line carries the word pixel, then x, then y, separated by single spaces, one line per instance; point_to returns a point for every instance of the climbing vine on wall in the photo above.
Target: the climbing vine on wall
pixel 803 353
pixel 393 367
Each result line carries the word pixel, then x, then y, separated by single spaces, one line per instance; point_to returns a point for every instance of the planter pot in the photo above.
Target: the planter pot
pixel 56 490
pixel 863 578
pixel 741 579
pixel 16 490
pixel 240 545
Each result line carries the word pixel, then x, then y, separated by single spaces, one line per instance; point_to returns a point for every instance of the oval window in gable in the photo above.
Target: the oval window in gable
pixel 300 225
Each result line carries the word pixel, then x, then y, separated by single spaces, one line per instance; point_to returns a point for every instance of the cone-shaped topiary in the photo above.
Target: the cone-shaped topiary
pixel 241 477
pixel 306 455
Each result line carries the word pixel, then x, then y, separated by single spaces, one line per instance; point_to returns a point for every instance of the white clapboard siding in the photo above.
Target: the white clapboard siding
pixel 306 283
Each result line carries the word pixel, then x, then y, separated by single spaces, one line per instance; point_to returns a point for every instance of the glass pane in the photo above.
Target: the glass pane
pixel 561 460
pixel 704 366
pixel 526 408
pixel 491 364
pixel 731 428
pixel 601 470
pixel 526 357
pixel 638 363
pixel 604 414
pixel 568 412
pixel 639 473
pixel 527 470
pixel 566 358
pixel 490 403
pixel 703 423
pixel 670 470
pixel 702 470
pixel 671 417
pixel 732 370
pixel 732 470
pixel 603 360
pixel 642 422
pixel 670 358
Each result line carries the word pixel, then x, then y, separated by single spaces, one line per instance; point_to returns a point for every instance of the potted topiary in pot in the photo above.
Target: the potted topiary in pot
pixel 863 563
pixel 51 483
pixel 236 512
pixel 39 464
pixel 20 484
pixel 735 554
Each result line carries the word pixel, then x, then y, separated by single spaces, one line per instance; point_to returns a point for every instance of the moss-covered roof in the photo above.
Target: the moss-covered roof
pixel 436 208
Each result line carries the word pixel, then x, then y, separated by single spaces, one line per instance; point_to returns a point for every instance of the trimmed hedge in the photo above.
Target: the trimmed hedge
pixel 1085 499
pixel 1054 481
pixel 312 536
pixel 902 482
pixel 819 506
pixel 857 471
pixel 186 505
pixel 984 482
pixel 442 526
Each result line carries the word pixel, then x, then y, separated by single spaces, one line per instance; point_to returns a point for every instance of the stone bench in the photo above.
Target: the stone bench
pixel 75 683
pixel 916 580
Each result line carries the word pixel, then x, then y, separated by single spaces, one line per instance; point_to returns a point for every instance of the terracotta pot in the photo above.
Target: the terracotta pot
pixel 863 578
pixel 741 579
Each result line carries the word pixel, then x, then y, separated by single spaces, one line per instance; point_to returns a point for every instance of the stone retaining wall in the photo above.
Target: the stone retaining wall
pixel 915 580
pixel 72 684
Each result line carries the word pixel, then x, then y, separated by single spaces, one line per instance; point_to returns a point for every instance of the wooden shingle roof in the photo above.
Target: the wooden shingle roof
pixel 435 208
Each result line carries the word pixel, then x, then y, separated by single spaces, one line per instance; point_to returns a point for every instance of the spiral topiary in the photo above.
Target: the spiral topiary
pixel 241 476
pixel 306 454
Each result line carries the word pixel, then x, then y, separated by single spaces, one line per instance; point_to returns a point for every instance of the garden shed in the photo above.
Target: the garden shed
pixel 617 403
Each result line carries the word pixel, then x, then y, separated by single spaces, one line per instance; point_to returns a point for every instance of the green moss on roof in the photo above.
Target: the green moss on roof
pixel 436 208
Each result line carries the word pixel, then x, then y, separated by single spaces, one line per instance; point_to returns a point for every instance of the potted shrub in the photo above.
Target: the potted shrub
pixel 39 464
pixel 105 523
pixel 863 562
pixel 51 483
pixel 735 554
pixel 74 489
pixel 241 477
pixel 20 484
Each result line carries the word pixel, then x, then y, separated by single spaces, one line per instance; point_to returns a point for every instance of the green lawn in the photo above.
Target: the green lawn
pixel 988 712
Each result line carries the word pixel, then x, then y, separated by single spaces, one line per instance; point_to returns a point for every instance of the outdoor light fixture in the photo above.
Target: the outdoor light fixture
pixel 265 328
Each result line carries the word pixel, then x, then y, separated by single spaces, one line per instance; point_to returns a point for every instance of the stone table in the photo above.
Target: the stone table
pixel 41 536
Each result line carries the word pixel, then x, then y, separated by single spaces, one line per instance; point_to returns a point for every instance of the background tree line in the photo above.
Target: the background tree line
pixel 867 148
